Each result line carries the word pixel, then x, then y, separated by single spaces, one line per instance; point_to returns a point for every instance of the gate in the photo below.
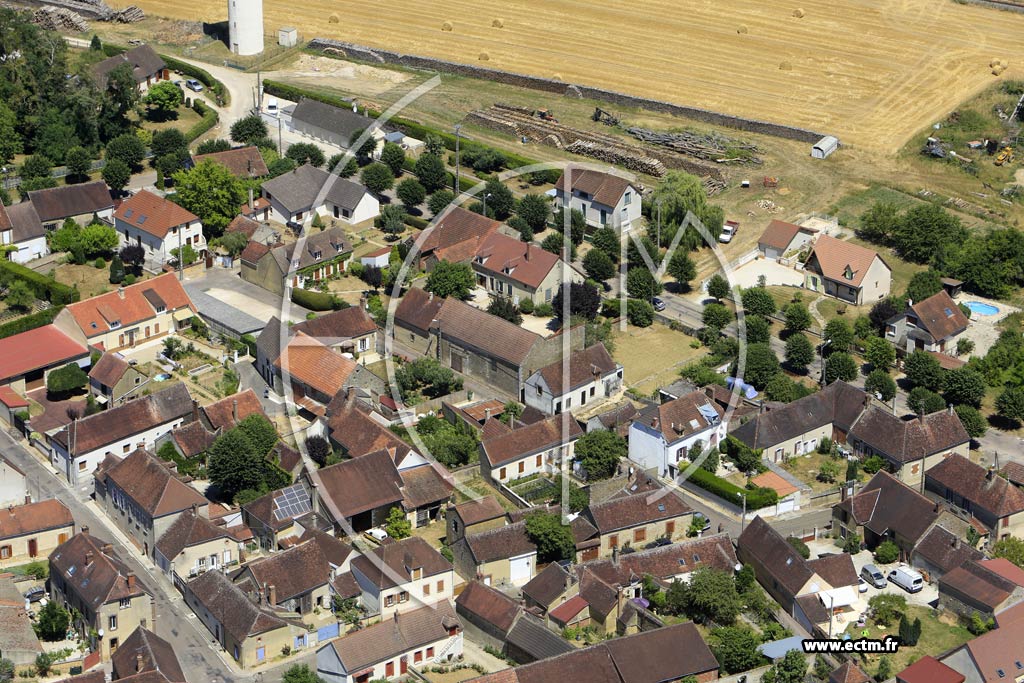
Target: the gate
pixel 325 633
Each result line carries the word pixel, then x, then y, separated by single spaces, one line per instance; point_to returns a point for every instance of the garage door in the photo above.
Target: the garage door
pixel 787 505
pixel 520 570
pixel 34 380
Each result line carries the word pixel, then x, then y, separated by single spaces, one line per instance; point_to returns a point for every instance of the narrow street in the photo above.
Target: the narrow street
pixel 174 621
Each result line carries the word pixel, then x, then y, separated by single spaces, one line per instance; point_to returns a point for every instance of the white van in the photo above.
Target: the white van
pixel 272 106
pixel 907 579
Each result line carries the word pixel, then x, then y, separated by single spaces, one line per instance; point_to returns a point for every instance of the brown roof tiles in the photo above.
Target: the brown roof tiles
pixel 639 509
pixel 109 369
pixel 604 188
pixel 514 259
pixel 243 162
pixel 91 570
pixel 388 639
pixel 480 602
pixel 363 483
pixel 489 334
pixel 585 366
pixel 387 565
pixel 149 483
pixel 557 430
pixel 152 214
pixel 842 261
pixel 129 305
pixel 228 412
pixel 189 529
pixel 33 518
pixel 145 652
pixel 480 510
pixel 780 234
pixel 984 489
pixel 940 316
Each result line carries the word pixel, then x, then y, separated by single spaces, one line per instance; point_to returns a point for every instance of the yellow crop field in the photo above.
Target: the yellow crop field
pixel 872 72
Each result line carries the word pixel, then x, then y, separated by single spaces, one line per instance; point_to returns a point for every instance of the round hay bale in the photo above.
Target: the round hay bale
pixel 994 62
pixel 497 23
pixel 557 77
pixel 447 26
pixel 333 19
pixel 742 28
pixel 998 70
pixel 484 57
pixel 785 66
pixel 799 13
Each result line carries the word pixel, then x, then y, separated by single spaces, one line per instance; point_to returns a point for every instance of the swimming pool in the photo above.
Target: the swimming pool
pixel 981 308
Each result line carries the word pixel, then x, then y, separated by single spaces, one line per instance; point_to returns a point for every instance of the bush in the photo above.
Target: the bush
pixel 65 379
pixel 639 312
pixel 887 552
pixel 800 546
pixel 314 301
pixel 29 322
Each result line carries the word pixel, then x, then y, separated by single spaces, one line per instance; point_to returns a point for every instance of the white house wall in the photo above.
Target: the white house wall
pixel 76 474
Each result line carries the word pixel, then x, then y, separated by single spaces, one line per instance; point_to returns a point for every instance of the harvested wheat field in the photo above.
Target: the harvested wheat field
pixel 872 72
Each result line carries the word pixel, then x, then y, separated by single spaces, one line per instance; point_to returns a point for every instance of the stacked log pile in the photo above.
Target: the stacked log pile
pixel 64 11
pixel 522 123
pixel 59 19
pixel 711 147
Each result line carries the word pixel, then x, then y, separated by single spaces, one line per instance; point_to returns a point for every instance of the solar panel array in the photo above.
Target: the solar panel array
pixel 292 502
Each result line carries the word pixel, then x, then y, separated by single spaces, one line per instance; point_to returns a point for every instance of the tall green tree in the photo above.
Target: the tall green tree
pixel 212 192
pixel 972 420
pixel 923 370
pixel 840 366
pixel 964 386
pixel 923 285
pixel 1010 548
pixel 301 673
pixel 393 156
pixel 116 174
pixel 798 318
pixel 10 137
pixel 377 178
pixel 880 353
pixel 599 453
pixel 762 365
pixel 878 224
pixel 248 129
pixel 431 172
pixel 641 284
pixel 879 382
pixel 757 301
pixel 839 334
pixel 799 352
pixel 682 269
pixel 1010 404
pixel 718 287
pixel 303 153
pixel 411 193
pixel 792 668
pixel 440 200
pixel 451 279
pixel 598 266
pixel 53 622
pixel 78 160
pixel 127 148
pixel 535 210
pixel 162 101
pixel 553 539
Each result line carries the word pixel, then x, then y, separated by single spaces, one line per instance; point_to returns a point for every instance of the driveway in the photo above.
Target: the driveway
pixel 774 272
pixel 55 413
pixel 227 286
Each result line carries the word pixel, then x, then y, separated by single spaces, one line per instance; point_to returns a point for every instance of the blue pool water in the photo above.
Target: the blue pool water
pixel 981 308
pixel 162 377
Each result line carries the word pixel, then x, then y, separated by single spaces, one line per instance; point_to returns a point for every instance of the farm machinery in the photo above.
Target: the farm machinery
pixel 1005 157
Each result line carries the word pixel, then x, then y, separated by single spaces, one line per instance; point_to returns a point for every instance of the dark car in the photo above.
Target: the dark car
pixel 658 543
pixel 35 594
pixel 294 225
pixel 658 304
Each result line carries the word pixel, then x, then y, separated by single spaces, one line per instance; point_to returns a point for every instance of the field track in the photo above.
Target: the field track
pixel 873 72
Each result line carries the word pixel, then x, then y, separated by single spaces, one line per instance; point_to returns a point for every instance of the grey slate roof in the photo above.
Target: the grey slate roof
pixel 342 122
pixel 839 403
pixel 25 222
pixel 533 638
pixel 298 189
pixel 57 203
pixel 219 312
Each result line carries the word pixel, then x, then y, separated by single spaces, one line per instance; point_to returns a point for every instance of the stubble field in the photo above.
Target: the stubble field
pixel 872 72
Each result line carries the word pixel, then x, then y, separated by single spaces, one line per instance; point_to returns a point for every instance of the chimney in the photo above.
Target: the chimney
pixel 272 595
pixel 956 542
pixel 195 410
pixel 28 499
pixel 395 617
pixel 252 204
pixel 85 529
pixel 949 409
pixel 991 473
pixel 487 414
pixel 195 508
pixel 935 508
pixel 138 663
pixel 526 256
pixel 431 297
pixel 234 410
pixel 120 292
pixel 654 422
pixel 10 510
pixel 88 558
pixel 131 580
pixel 107 549
pixel 709 391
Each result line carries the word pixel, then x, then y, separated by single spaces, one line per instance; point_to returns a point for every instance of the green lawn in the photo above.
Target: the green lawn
pixel 937 636
pixel 652 356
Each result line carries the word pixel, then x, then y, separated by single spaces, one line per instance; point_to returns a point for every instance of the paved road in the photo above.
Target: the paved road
pixel 690 314
pixel 174 621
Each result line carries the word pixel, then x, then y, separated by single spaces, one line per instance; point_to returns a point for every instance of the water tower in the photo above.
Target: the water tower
pixel 245 26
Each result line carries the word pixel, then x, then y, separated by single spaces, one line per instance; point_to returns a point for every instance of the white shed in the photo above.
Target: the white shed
pixel 825 146
pixel 288 36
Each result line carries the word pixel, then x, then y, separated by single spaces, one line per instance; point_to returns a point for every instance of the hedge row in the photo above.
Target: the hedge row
pixel 29 322
pixel 208 121
pixel 315 301
pixel 43 287
pixel 411 128
pixel 726 490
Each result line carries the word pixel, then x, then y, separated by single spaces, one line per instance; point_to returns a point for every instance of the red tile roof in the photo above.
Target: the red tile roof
pixel 1005 569
pixel 32 518
pixel 42 347
pixel 568 610
pixel 109 369
pixel 940 316
pixel 146 480
pixel 458 227
pixel 152 214
pixel 985 489
pixel 129 305
pixel 514 259
pixel 11 399
pixel 315 365
pixel 526 441
pixel 929 670
pixel 773 481
pixel 780 234
pixel 998 649
pixel 835 256
pixel 243 162
pixel 228 412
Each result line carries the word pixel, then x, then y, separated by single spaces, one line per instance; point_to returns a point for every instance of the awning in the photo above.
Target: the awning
pixel 838 597
pixel 183 314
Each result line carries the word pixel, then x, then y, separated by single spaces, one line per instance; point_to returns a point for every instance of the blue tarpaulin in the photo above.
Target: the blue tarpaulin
pixel 777 649
pixel 746 389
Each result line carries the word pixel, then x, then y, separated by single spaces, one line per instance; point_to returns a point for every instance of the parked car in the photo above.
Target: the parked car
pixel 294 225
pixel 194 85
pixel 907 579
pixel 658 543
pixel 35 594
pixel 873 575
pixel 272 107
pixel 729 231
pixel 705 522
pixel 377 534
pixel 658 304
pixel 862 585
pixel 180 83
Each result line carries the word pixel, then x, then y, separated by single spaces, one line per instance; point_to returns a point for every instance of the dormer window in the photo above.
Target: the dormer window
pixel 115 324
pixel 317 255
pixel 848 273
pixel 160 309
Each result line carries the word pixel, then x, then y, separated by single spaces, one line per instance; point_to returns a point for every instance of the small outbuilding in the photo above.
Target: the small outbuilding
pixel 824 147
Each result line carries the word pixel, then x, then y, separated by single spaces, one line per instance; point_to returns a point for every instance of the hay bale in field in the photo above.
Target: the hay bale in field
pixel 557 77
pixel 447 26
pixel 993 63
pixel 333 19
pixel 742 28
pixel 998 70
pixel 484 57
pixel 799 13
pixel 785 66
pixel 497 23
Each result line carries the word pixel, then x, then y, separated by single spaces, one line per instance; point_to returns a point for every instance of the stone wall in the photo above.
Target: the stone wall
pixel 368 54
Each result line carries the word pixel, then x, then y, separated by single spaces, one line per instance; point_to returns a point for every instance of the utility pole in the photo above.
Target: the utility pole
pixel 486 195
pixel 280 146
pixel 743 518
pixel 181 257
pixel 659 224
pixel 457 188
